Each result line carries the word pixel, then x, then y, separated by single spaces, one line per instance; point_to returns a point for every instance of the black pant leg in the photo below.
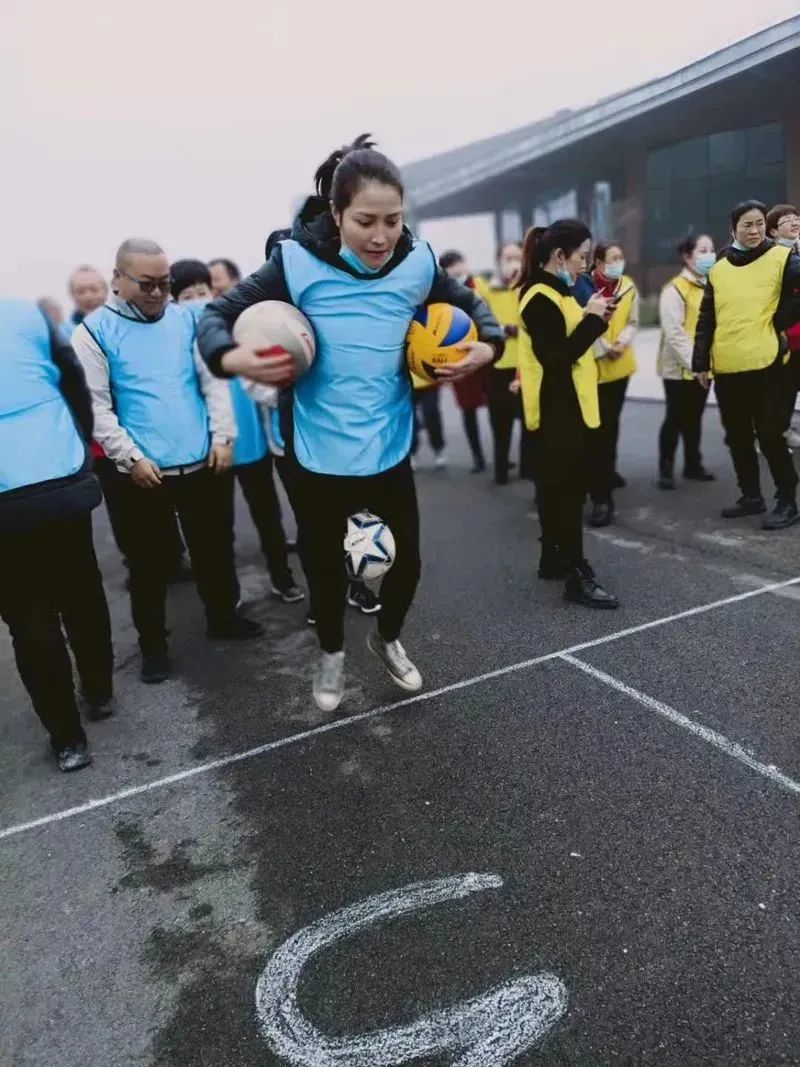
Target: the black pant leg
pixel 604 446
pixel 693 404
pixel 322 504
pixel 286 467
pixel 29 568
pixel 432 417
pixel 109 478
pixel 259 491
pixel 84 609
pixel 393 497
pixel 147 516
pixel 473 435
pixel 770 425
pixel 734 397
pixel 620 389
pixel 503 408
pixel 670 428
pixel 202 500
pixel 560 507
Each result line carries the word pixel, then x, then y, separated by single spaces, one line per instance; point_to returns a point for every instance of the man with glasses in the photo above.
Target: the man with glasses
pixel 168 425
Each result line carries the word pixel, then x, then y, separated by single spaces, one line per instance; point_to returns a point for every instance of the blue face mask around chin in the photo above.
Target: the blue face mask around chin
pixel 738 245
pixel 786 242
pixel 348 255
pixel 614 271
pixel 565 277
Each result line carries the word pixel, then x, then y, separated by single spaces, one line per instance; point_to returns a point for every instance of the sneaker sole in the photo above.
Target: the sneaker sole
pixel 77 767
pixel 327 706
pixel 284 599
pixel 399 682
pixel 364 611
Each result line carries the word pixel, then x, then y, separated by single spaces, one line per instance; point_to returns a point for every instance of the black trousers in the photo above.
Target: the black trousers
pixel 258 487
pixel 109 478
pixel 557 458
pixel 323 504
pixel 202 500
pixel 791 373
pixel 604 456
pixel 48 578
pixel 427 407
pixel 560 507
pixel 752 405
pixel 686 402
pixel 504 408
pixel 472 430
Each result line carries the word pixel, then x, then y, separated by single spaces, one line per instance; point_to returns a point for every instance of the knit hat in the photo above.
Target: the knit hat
pixel 186 272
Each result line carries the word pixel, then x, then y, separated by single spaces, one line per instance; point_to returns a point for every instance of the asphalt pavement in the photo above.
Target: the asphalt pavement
pixel 624 788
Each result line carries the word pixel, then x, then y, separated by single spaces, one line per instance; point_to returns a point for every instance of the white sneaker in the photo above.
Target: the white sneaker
pixel 792 438
pixel 329 680
pixel 393 656
pixel 440 461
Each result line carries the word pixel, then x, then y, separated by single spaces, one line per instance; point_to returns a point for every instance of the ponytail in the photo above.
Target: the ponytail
pixel 346 169
pixel 542 241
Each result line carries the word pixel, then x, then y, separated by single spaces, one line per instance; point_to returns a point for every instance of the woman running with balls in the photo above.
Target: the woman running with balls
pixel 357 273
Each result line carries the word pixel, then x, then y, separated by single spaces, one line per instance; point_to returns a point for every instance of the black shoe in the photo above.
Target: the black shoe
pixel 73 757
pixel 783 515
pixel 618 482
pixel 362 598
pixel 602 514
pixel 583 588
pixel 156 668
pixel 99 707
pixel 288 594
pixel 699 474
pixel 181 572
pixel 291 545
pixel 666 481
pixel 478 466
pixel 745 505
pixel 235 628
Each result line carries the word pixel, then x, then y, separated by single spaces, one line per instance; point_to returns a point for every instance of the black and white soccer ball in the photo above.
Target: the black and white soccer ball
pixel 368 547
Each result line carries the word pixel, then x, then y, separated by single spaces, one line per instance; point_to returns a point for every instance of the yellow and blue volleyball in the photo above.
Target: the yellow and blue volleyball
pixel 433 337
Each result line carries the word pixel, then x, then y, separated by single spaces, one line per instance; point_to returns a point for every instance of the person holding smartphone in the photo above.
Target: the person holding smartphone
pixel 561 407
pixel 616 363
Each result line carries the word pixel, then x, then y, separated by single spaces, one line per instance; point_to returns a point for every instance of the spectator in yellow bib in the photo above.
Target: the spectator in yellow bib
pixel 752 295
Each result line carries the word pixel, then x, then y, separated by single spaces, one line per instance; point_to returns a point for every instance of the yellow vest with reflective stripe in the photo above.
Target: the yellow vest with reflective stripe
pixel 504 305
pixel 611 370
pixel 531 372
pixel 745 301
pixel 692 294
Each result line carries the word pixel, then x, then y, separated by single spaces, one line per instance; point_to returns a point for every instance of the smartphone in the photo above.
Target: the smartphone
pixel 615 299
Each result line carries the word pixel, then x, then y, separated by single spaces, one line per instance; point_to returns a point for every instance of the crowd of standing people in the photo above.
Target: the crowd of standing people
pixel 139 397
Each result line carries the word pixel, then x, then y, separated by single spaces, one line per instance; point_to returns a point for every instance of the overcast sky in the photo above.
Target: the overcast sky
pixel 198 122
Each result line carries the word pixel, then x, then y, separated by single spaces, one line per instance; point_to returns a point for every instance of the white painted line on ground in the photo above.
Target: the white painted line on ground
pixel 712 737
pixel 365 716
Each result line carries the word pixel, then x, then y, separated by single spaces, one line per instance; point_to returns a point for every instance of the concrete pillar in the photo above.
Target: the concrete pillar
pixel 629 212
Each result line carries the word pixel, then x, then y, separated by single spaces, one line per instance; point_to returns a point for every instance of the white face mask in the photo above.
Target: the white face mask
pixel 787 242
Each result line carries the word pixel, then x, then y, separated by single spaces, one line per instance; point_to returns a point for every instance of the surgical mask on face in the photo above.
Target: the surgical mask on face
pixel 564 276
pixel 704 262
pixel 614 271
pixel 348 255
pixel 787 242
